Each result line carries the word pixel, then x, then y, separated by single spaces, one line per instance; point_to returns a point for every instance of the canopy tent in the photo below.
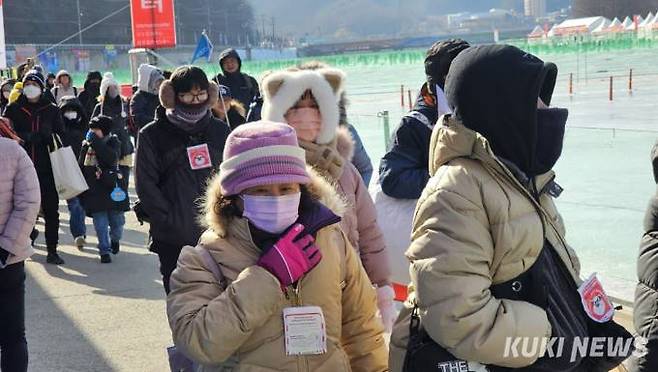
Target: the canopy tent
pixel 537 33
pixel 579 26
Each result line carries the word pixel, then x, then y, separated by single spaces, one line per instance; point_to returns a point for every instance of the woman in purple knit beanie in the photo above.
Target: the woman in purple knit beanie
pixel 273 281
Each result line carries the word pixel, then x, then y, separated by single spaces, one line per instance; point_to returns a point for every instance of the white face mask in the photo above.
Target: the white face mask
pixel 31 92
pixel 71 115
pixel 273 214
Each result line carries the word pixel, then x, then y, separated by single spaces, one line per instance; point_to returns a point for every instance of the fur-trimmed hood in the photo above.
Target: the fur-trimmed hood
pixel 147 76
pixel 282 89
pixel 319 188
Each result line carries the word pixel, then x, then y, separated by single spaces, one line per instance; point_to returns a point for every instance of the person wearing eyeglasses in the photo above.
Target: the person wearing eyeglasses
pixel 176 154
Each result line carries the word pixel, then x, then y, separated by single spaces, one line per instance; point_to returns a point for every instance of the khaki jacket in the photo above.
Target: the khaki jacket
pixel 475 226
pixel 241 325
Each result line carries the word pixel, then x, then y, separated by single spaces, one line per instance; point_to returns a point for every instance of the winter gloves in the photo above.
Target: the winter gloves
pixel 386 305
pixel 290 258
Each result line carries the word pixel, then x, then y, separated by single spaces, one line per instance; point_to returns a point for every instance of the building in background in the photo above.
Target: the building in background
pixel 534 8
pixel 612 8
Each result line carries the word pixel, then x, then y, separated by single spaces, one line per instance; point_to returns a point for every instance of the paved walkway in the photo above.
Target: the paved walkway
pixel 88 316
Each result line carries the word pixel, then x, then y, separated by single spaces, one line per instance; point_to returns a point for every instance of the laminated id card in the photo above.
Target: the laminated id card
pixel 304 330
pixel 596 303
pixel 199 157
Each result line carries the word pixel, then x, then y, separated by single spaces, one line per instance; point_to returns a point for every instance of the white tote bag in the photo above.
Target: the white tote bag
pixel 394 217
pixel 69 180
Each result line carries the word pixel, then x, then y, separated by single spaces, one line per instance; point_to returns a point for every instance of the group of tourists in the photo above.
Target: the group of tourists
pixel 270 248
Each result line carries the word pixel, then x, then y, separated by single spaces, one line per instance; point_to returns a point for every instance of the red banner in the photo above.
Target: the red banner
pixel 153 23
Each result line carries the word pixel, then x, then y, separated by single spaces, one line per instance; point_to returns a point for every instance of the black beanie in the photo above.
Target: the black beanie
pixel 438 59
pixel 102 122
pixel 33 75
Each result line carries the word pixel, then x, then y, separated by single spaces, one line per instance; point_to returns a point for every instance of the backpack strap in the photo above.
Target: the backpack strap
pixel 75 91
pixel 211 264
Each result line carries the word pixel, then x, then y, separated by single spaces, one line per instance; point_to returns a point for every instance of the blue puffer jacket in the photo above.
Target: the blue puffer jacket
pixel 403 171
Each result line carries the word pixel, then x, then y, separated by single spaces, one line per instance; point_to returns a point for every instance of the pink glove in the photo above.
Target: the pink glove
pixel 387 311
pixel 290 258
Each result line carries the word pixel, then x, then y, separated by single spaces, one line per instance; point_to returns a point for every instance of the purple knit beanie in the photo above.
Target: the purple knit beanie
pixel 261 153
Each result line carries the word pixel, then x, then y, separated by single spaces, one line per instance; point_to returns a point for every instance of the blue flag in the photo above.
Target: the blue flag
pixel 203 48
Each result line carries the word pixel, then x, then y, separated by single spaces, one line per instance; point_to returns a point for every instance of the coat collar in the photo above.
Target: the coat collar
pixel 451 140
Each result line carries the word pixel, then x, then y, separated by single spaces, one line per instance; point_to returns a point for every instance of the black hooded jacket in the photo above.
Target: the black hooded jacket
pixel 74 131
pixel 645 312
pixel 243 87
pixel 499 100
pixel 167 187
pixel 3 101
pixel 35 123
pixel 89 96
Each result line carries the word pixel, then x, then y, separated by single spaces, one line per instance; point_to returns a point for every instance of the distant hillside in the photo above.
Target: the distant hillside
pixel 48 22
pixel 367 17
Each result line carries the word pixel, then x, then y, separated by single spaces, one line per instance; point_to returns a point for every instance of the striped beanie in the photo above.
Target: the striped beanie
pixel 261 153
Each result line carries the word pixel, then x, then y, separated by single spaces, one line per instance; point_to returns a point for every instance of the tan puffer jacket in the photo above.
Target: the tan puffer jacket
pixel 241 326
pixel 475 226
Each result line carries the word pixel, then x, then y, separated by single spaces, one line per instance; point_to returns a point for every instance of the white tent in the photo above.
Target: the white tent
pixel 639 21
pixel 653 24
pixel 628 22
pixel 649 18
pixel 578 26
pixel 615 26
pixel 537 33
pixel 602 27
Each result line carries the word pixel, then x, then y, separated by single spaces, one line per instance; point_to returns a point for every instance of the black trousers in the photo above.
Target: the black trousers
pixel 13 345
pixel 50 208
pixel 168 255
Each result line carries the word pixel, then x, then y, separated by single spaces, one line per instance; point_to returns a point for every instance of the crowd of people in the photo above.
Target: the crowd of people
pixel 285 264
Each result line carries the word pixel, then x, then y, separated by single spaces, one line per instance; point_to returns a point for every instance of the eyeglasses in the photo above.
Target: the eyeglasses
pixel 189 97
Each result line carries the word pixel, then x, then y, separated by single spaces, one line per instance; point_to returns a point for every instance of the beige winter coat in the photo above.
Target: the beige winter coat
pixel 475 225
pixel 242 326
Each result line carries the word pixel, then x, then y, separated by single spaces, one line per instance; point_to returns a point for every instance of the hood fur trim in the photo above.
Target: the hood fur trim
pixel 320 188
pixel 144 77
pixel 282 89
pixel 167 95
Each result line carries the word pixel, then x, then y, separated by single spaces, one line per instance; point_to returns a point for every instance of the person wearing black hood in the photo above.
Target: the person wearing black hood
pixel 490 265
pixel 176 154
pixel 5 91
pixel 645 311
pixel 243 86
pixel 89 96
pixel 403 169
pixel 75 125
pixel 36 119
